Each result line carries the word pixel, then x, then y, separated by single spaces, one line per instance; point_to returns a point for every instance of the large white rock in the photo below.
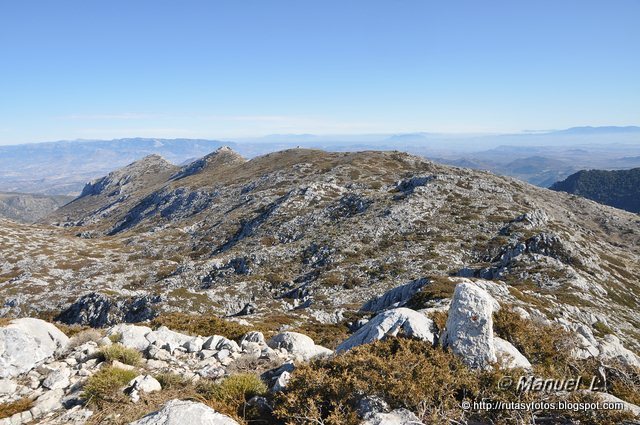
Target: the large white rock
pixel 391 323
pixel 182 412
pixel 469 328
pixel 298 344
pixel 26 342
pixel 131 336
pixel 508 356
pixel 612 349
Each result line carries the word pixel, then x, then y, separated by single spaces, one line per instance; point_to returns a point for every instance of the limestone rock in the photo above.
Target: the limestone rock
pixel 391 323
pixel 395 297
pixel 142 383
pixel 612 349
pixel 508 356
pixel 58 379
pixel 298 344
pixel 7 386
pixel 98 310
pixel 469 328
pixel 181 412
pixel 395 417
pixel 131 336
pixel 26 342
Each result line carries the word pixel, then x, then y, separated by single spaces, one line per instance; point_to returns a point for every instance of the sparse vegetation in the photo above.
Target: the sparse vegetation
pixel 105 386
pixel 9 409
pixel 122 354
pixel 200 325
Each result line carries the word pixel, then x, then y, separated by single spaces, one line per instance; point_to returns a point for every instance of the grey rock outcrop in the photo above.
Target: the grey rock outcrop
pixel 181 412
pixel 391 323
pixel 98 310
pixel 26 342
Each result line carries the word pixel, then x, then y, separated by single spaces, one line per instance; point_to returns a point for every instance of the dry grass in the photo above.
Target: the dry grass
pixel 200 325
pixel 228 397
pixel 9 409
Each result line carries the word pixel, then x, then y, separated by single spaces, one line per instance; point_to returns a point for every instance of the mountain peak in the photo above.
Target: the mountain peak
pixel 222 156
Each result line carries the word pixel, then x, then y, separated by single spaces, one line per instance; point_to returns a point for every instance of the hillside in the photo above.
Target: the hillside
pixel 27 207
pixel 620 188
pixel 316 235
pixel 264 264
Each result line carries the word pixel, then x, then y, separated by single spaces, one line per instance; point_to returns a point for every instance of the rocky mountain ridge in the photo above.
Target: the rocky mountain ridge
pixel 346 247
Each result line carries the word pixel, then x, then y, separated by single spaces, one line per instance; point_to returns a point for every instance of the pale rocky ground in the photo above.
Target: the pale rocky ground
pixel 316 237
pixel 40 362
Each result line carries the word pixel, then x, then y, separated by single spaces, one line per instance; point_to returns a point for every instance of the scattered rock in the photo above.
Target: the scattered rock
pixel 395 417
pixel 391 323
pixel 298 344
pixel 181 412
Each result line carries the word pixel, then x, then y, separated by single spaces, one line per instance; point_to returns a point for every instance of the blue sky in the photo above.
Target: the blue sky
pixel 225 69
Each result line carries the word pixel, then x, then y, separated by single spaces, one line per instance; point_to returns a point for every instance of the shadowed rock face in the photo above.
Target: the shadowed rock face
pixel 97 310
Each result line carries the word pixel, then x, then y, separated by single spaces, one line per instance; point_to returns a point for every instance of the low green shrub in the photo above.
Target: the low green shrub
pixel 122 354
pixel 106 386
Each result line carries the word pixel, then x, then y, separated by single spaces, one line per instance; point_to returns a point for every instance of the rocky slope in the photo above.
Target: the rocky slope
pixel 28 208
pixel 348 247
pixel 620 188
pixel 315 236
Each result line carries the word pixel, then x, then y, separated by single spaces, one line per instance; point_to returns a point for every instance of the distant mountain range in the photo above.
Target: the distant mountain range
pixel 540 158
pixel 62 168
pixel 620 189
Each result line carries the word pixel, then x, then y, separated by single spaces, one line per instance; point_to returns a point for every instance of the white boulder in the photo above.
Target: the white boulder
pixel 131 336
pixel 612 349
pixel 469 328
pixel 142 383
pixel 391 323
pixel 508 356
pixel 181 412
pixel 26 342
pixel 298 344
